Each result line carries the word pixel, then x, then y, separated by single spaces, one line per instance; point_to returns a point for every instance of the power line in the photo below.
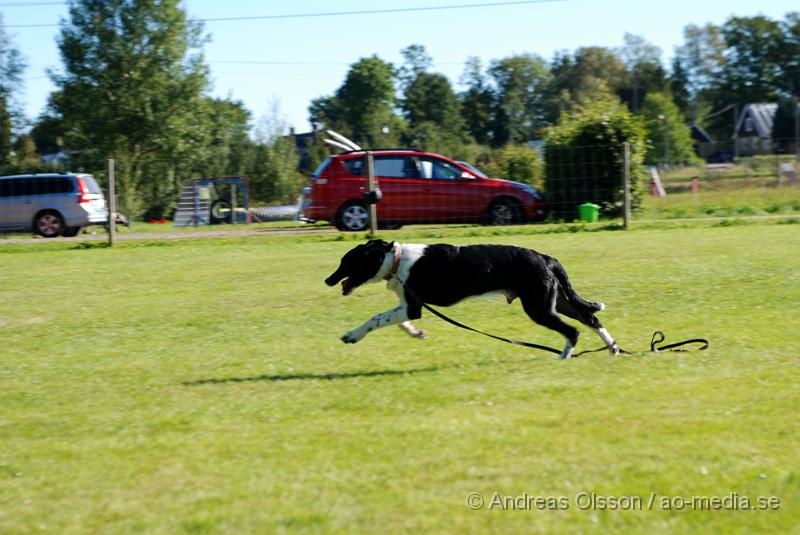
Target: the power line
pixel 32 4
pixel 340 13
pixel 277 62
pixel 720 112
pixel 303 75
pixel 380 11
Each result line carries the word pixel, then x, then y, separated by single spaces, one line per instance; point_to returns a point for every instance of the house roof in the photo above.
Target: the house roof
pixel 699 134
pixel 762 116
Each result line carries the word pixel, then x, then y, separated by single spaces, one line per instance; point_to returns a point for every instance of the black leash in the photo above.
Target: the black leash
pixel 658 336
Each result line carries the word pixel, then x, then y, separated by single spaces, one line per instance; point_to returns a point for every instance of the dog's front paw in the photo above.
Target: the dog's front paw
pixel 351 338
pixel 422 335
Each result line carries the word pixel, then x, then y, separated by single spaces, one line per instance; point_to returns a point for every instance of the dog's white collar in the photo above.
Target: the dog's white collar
pixel 395 263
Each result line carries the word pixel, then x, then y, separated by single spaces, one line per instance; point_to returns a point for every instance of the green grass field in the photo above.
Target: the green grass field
pixel 199 386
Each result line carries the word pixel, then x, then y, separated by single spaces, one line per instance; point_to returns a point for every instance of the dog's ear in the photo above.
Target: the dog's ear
pixel 380 244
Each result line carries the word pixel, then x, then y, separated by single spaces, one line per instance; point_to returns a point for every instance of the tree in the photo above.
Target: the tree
pixel 433 112
pixel 678 86
pixel 789 55
pixel 752 60
pixel 430 98
pixel 363 106
pixel 230 148
pixel 477 101
pixel 11 68
pixel 578 78
pixel 584 157
pixel 521 83
pixel 417 61
pixel 132 85
pixel 666 129
pixel 700 60
pixel 275 175
pixel 645 72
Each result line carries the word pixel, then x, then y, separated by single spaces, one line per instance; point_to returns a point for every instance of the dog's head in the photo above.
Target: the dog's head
pixel 359 265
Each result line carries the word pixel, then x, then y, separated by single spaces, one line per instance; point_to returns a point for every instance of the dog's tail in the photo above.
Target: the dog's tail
pixel 569 292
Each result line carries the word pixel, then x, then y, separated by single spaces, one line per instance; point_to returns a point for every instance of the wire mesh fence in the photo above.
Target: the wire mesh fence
pixel 746 178
pixel 730 183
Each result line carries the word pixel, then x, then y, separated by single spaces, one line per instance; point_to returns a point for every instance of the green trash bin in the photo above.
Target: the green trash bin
pixel 589 212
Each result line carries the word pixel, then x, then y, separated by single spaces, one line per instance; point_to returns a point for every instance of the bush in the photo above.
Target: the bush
pixel 584 159
pixel 514 162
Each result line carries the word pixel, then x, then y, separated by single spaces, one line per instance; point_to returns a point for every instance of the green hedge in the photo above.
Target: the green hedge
pixel 584 159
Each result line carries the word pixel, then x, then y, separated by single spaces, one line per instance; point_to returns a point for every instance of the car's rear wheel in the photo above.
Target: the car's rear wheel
pixel 503 212
pixel 353 217
pixel 49 224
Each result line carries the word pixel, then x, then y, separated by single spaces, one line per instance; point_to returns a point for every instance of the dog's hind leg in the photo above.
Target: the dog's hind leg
pixel 413 331
pixel 586 316
pixel 542 310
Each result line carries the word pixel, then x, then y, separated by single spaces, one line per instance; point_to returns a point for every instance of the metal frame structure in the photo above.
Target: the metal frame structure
pixel 197 205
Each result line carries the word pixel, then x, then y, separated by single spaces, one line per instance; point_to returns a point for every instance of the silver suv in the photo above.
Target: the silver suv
pixel 51 204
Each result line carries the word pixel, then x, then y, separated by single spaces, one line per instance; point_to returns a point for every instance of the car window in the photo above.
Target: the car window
pixel 91 183
pixel 18 187
pixel 475 171
pixel 11 187
pixel 320 169
pixel 438 169
pixel 355 166
pixel 395 167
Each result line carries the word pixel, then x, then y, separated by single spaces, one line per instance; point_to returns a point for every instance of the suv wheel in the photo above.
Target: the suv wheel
pixel 353 216
pixel 49 224
pixel 503 212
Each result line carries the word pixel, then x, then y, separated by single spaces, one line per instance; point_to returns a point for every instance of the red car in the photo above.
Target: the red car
pixel 416 187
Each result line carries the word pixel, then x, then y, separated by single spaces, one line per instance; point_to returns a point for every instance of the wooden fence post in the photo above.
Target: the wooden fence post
pixel 627 184
pixel 112 204
pixel 373 209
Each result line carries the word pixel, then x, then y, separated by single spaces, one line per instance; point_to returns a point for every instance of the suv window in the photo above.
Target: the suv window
pixel 91 184
pixel 435 168
pixel 19 187
pixel 395 167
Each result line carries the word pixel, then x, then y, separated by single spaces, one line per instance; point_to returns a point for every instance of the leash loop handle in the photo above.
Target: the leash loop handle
pixel 659 337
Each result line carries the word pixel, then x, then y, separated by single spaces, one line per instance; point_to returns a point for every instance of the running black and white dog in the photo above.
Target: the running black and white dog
pixel 444 274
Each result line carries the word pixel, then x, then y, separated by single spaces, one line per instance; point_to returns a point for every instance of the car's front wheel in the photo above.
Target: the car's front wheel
pixel 353 216
pixel 503 212
pixel 49 224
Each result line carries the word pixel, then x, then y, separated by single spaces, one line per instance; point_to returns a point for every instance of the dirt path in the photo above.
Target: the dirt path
pixel 262 232
pixel 171 235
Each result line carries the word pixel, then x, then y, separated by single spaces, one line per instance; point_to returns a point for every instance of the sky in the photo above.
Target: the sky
pixel 290 61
